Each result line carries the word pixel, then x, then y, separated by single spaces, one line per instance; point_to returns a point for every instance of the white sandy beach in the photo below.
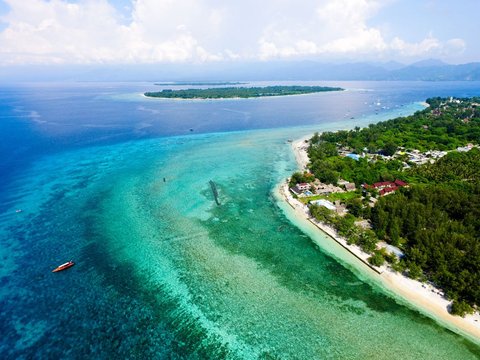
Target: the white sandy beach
pixel 300 151
pixel 421 297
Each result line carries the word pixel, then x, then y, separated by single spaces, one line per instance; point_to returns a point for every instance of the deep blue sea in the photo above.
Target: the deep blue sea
pixel 119 183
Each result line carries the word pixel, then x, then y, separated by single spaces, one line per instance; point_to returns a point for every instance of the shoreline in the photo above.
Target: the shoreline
pixel 419 296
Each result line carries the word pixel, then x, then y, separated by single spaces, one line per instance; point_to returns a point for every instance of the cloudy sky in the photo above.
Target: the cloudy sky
pixel 198 31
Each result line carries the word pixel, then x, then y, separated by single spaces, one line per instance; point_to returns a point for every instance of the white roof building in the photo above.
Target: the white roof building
pixel 325 203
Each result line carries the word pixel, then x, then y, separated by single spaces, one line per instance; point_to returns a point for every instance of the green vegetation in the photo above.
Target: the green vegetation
pixel 436 220
pixel 444 125
pixel 461 308
pixel 299 177
pixel 345 226
pixel 330 170
pixel 322 213
pixel 377 259
pixel 458 168
pixel 239 92
pixel 199 83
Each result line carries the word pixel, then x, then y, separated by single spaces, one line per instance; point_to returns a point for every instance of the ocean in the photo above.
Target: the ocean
pixel 119 184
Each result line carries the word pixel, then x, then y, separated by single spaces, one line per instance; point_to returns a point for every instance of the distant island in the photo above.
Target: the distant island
pixel 239 92
pixel 199 83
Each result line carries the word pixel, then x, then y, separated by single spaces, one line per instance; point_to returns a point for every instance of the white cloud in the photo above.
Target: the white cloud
pixel 426 46
pixel 455 45
pixel 93 31
pixel 430 46
pixel 336 27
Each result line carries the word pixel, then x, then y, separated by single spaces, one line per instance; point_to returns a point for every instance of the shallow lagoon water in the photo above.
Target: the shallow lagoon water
pixel 163 272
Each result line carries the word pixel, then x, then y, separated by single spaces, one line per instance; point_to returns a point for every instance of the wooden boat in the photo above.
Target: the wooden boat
pixel 64 266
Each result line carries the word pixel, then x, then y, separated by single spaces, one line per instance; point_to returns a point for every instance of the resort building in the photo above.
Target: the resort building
pixel 326 189
pixel 386 187
pixel 300 189
pixel 303 186
pixel 296 191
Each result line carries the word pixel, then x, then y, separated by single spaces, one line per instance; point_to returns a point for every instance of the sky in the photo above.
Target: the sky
pixel 208 31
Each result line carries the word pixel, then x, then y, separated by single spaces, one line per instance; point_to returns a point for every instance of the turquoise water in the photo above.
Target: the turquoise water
pixel 184 276
pixel 163 272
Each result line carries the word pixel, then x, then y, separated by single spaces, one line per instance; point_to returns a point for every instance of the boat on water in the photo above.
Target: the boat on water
pixel 64 266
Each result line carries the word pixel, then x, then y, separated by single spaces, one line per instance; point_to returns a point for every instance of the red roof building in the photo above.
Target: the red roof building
pixel 386 187
pixel 387 190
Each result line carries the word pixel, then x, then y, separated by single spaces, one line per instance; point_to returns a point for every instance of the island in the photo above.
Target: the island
pixel 239 92
pixel 199 83
pixel 403 196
